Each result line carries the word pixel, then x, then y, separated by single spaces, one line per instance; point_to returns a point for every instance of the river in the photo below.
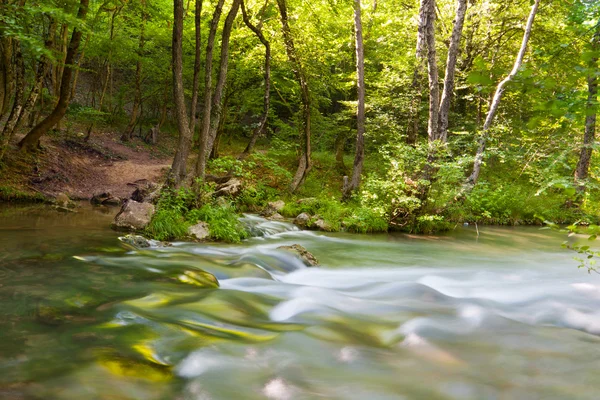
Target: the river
pixel 502 315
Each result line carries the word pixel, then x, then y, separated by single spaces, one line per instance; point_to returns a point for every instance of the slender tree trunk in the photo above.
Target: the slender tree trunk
pixel 461 9
pixel 15 112
pixel 217 99
pixel 163 110
pixel 267 96
pixel 183 125
pixel 135 110
pixel 6 74
pixel 360 112
pixel 304 163
pixel 434 90
pixel 208 66
pixel 81 58
pixel 340 142
pixel 196 82
pixel 591 107
pixel 31 140
pixel 472 180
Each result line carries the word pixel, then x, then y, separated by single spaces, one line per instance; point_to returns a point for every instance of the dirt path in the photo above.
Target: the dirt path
pixel 79 169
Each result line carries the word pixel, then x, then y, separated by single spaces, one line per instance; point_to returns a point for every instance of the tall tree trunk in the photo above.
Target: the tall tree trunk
pixel 15 112
pixel 304 163
pixel 135 110
pixel 217 99
pixel 267 96
pixel 360 112
pixel 197 55
pixel 6 73
pixel 461 9
pixel 200 169
pixel 591 107
pixel 181 115
pixel 428 20
pixel 472 180
pixel 31 140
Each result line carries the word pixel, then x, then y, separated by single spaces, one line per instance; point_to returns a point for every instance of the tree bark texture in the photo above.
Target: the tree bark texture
pixel 17 107
pixel 472 180
pixel 197 55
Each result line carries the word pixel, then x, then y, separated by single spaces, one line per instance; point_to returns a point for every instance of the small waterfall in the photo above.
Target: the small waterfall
pixel 262 227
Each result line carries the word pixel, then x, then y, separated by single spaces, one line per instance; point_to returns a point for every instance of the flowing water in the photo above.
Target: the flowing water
pixel 506 315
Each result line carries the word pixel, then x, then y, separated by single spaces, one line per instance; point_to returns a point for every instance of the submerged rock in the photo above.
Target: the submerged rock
pixel 133 216
pixel 306 256
pixel 199 231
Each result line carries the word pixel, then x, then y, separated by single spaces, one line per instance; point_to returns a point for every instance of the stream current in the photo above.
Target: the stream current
pixel 502 315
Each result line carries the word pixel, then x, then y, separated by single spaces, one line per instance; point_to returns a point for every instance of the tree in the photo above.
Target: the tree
pixel 304 162
pixel 31 140
pixel 178 168
pixel 472 180
pixel 360 111
pixel 591 106
pixel 442 126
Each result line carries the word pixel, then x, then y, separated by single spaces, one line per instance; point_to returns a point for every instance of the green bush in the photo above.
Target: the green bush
pixel 167 224
pixel 364 220
pixel 223 222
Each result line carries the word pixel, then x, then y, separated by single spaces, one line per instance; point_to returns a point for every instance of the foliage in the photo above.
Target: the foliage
pixel 222 220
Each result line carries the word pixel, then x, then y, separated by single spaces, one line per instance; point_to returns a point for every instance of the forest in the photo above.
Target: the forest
pixel 387 115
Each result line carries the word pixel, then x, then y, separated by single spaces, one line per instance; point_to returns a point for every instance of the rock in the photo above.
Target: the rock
pixel 277 217
pixel 99 198
pixel 135 241
pixel 199 231
pixel 112 201
pixel 307 258
pixel 276 206
pixel 62 200
pixel 321 225
pixel 133 216
pixel 145 191
pixel 302 220
pixel 230 188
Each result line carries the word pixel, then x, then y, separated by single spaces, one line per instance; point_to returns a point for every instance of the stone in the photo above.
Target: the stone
pixel 302 220
pixel 276 206
pixel 199 231
pixel 230 188
pixel 112 201
pixel 135 241
pixel 145 191
pixel 277 217
pixel 100 197
pixel 300 251
pixel 321 225
pixel 62 200
pixel 133 216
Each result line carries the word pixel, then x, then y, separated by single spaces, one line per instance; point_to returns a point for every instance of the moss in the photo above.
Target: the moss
pixel 13 195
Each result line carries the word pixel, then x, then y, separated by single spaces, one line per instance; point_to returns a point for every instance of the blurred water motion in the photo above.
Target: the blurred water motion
pixel 503 316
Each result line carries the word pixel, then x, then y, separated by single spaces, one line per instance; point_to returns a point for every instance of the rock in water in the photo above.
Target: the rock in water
pixel 321 225
pixel 133 216
pixel 135 241
pixel 302 220
pixel 199 231
pixel 307 258
pixel 62 200
pixel 145 191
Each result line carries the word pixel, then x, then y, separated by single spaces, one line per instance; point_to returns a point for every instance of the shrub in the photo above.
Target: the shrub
pixel 223 222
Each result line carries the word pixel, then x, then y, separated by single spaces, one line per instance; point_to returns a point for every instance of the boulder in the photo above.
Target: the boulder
pixel 230 188
pixel 112 201
pixel 302 220
pixel 199 231
pixel 300 251
pixel 145 191
pixel 133 216
pixel 277 217
pixel 276 206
